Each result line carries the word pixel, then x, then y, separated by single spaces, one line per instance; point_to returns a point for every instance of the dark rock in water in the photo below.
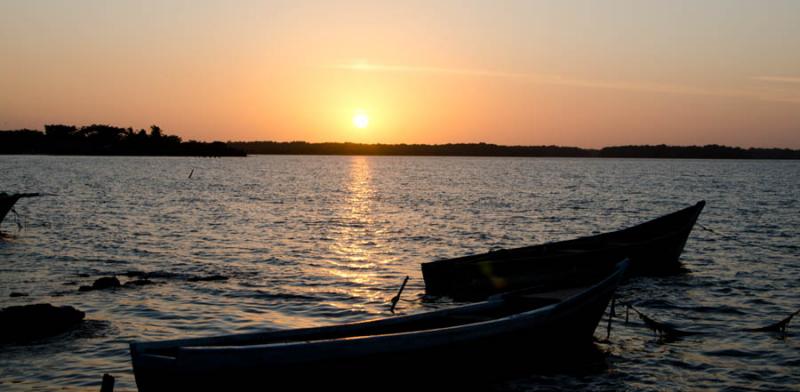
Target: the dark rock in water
pixel 102 283
pixel 105 283
pixel 209 278
pixel 20 323
pixel 70 283
pixel 15 294
pixel 84 275
pixel 139 282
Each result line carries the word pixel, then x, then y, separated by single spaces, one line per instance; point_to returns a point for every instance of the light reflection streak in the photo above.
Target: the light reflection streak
pixel 354 243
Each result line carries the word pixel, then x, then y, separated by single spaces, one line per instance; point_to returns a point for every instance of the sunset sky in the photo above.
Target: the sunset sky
pixel 579 73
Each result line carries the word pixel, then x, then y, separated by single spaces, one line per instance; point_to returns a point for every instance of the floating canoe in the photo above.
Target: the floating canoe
pixel 7 202
pixel 652 247
pixel 525 326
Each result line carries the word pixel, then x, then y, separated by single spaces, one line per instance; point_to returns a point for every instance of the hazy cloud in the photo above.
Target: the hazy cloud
pixel 779 79
pixel 640 86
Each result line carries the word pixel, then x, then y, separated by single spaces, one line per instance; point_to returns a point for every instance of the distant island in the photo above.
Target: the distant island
pixel 110 140
pixel 712 151
pixel 97 139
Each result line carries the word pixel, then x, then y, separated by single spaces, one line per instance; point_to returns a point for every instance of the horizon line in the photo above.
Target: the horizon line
pixel 205 140
pixel 519 145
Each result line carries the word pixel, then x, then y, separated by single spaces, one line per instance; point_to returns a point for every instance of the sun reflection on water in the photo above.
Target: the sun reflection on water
pixel 353 249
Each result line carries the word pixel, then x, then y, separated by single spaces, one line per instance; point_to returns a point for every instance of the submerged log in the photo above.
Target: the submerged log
pixel 139 282
pixel 210 278
pixel 22 195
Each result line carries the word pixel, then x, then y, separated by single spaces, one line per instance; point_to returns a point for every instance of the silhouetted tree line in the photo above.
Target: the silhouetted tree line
pixel 109 140
pixel 460 149
pixel 483 149
pixel 711 151
pixel 106 140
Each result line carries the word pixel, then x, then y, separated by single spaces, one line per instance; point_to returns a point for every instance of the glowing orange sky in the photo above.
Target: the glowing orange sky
pixel 528 72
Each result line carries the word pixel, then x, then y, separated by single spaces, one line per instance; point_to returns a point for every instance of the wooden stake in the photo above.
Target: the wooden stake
pixel 610 316
pixel 108 383
pixel 396 298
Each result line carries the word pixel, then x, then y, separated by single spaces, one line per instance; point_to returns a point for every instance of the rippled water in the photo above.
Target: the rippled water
pixel 318 240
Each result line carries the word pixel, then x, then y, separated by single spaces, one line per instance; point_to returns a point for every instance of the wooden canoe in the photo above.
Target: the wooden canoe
pixel 652 247
pixel 442 345
pixel 7 202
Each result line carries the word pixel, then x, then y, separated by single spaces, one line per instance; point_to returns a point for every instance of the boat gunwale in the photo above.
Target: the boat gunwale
pixel 486 258
pixel 522 317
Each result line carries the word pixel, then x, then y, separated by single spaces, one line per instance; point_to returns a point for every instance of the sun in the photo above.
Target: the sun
pixel 360 120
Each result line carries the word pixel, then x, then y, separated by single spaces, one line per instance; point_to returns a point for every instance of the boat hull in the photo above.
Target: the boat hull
pixel 653 248
pixel 6 204
pixel 520 341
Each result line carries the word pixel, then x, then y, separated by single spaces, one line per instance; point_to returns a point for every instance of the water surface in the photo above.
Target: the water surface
pixel 311 240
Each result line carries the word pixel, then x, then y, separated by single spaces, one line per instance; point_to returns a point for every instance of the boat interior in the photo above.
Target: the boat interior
pixel 499 307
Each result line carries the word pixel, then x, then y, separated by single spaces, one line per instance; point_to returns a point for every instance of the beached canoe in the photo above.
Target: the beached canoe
pixel 523 327
pixel 652 247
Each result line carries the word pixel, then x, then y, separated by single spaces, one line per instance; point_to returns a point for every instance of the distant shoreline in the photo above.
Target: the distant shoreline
pixel 107 140
pixel 493 150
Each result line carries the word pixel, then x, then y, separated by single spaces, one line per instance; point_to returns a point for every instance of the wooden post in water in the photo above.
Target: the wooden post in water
pixel 396 298
pixel 108 383
pixel 610 316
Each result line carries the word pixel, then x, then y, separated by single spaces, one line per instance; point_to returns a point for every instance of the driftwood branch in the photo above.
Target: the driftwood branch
pixel 662 329
pixel 666 330
pixel 780 326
